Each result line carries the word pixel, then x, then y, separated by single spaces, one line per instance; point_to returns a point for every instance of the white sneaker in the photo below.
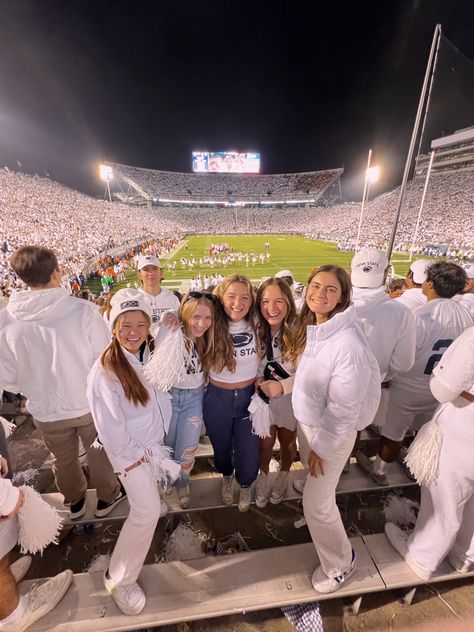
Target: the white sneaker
pixel 20 567
pixel 298 485
pixel 279 488
pixel 462 566
pixel 228 489
pixel 368 466
pixel 261 490
pixel 130 599
pixel 324 584
pixel 41 600
pixel 184 498
pixel 245 498
pixel 398 539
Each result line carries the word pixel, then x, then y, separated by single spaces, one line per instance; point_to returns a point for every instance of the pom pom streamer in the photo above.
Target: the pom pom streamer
pixel 8 426
pixel 422 458
pixel 259 413
pixel 39 523
pixel 160 466
pixel 400 510
pixel 169 360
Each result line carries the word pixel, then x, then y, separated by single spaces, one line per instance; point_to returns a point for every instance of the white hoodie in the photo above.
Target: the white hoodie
pixel 389 328
pixel 48 342
pixel 337 383
pixel 412 298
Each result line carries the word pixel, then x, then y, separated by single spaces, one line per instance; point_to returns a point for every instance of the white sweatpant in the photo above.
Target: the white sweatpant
pixel 137 532
pixel 446 518
pixel 319 505
pixel 406 410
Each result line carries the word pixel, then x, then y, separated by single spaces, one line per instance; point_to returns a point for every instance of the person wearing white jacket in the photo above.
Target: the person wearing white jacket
pixel 49 340
pixel 336 393
pixel 413 296
pixel 131 417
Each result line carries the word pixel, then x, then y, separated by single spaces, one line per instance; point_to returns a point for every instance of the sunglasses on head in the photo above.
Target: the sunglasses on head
pixel 210 297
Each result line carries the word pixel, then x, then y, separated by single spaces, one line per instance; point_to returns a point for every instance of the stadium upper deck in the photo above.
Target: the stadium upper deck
pixel 167 186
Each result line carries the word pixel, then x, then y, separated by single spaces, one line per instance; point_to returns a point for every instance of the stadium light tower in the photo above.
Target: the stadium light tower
pixel 371 176
pixel 106 175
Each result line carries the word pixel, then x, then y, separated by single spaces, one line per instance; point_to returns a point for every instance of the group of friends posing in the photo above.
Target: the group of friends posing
pixel 316 370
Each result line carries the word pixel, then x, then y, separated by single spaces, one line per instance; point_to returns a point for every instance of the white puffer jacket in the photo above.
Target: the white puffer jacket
pixel 337 384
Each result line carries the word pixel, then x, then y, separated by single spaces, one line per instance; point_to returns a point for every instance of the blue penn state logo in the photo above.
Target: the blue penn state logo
pixel 128 304
pixel 367 268
pixel 241 340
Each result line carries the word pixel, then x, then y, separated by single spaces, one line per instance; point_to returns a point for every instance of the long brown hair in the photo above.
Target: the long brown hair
pixel 116 364
pixel 223 353
pixel 285 334
pixel 308 318
pixel 205 343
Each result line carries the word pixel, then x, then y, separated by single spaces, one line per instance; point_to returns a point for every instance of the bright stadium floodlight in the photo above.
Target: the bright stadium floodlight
pixel 106 175
pixel 371 177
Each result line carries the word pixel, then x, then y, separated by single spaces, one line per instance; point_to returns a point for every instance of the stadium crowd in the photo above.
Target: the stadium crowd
pixel 136 384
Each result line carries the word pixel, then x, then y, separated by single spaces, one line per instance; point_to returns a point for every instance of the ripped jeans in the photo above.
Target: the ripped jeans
pixel 184 429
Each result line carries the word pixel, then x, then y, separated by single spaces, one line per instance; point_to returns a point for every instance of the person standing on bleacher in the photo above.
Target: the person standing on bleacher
pixel 48 343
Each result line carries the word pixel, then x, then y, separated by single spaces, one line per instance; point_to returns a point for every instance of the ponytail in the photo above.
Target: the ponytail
pixel 114 362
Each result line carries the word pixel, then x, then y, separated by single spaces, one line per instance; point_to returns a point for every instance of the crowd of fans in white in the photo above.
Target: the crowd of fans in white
pixel 78 227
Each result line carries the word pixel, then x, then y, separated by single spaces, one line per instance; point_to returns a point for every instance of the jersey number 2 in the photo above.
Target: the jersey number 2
pixel 436 357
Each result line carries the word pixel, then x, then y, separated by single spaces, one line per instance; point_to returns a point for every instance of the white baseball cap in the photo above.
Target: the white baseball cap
pixel 368 268
pixel 284 273
pixel 127 300
pixel 469 270
pixel 419 269
pixel 148 260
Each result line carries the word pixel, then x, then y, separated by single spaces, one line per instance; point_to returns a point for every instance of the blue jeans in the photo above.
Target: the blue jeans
pixel 185 428
pixel 230 431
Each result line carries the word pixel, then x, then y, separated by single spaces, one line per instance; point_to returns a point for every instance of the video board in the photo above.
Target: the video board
pixel 226 162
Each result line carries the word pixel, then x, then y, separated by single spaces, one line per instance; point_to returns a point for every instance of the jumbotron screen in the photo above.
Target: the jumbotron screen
pixel 225 162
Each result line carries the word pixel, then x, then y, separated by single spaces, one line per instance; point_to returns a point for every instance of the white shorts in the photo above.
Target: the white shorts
pixel 281 413
pixel 8 536
pixel 407 410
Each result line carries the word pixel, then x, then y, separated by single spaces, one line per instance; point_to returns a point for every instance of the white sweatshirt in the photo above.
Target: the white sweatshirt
pixel 412 298
pixel 337 383
pixel 389 328
pixel 159 304
pixel 467 301
pixel 126 430
pixel 49 340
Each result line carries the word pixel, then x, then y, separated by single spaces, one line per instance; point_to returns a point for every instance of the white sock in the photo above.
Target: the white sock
pixel 16 615
pixel 380 465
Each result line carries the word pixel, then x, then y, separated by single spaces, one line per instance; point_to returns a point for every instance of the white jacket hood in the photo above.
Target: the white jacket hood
pixel 33 305
pixel 365 298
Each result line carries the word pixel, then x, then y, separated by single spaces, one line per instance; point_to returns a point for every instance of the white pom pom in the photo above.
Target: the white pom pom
pixel 422 458
pixel 39 523
pixel 400 510
pixel 8 426
pixel 169 360
pixel 160 467
pixel 259 413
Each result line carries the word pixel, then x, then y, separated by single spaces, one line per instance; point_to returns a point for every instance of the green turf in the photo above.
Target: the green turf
pixel 298 254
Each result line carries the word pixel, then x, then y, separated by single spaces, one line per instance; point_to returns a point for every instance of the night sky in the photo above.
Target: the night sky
pixel 310 85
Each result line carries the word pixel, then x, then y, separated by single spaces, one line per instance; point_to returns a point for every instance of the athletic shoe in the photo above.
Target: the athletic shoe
pixel 368 466
pixel 228 489
pixel 41 600
pixel 77 509
pixel 261 490
pixel 103 508
pixel 245 498
pixel 20 567
pixel 401 459
pixel 398 539
pixel 279 488
pixel 462 566
pixel 184 498
pixel 130 599
pixel 298 485
pixel 324 584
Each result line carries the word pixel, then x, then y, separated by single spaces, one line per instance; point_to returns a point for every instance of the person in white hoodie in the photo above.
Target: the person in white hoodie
pixel 131 417
pixel 335 394
pixel 19 612
pixel 466 297
pixel 413 296
pixel 159 299
pixel 48 343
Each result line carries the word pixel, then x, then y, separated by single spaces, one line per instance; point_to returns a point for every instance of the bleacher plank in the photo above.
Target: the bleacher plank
pixel 205 588
pixel 206 493
pixel 395 572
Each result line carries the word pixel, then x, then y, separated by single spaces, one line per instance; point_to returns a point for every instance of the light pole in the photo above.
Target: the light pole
pixel 106 175
pixel 371 176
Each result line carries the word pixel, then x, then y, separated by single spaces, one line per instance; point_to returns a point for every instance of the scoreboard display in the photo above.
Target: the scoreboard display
pixel 225 162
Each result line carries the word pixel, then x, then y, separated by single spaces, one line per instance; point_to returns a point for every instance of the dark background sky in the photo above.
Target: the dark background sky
pixel 311 85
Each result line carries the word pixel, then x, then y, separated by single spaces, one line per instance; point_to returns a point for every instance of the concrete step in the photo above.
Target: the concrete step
pixel 206 492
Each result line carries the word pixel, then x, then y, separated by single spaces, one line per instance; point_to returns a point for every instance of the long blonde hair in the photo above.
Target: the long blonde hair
pixel 116 364
pixel 285 334
pixel 205 343
pixel 223 353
